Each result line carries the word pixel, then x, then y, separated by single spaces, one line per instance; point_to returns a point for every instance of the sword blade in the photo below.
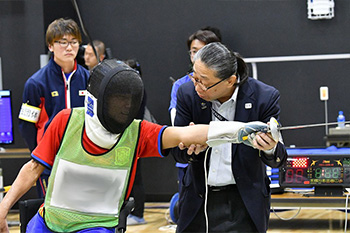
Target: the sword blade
pixel 310 125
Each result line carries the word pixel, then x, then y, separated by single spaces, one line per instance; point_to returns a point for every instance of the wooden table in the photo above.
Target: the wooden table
pixel 308 201
pixel 14 153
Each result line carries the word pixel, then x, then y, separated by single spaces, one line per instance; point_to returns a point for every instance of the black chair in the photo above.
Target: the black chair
pixel 125 211
pixel 27 210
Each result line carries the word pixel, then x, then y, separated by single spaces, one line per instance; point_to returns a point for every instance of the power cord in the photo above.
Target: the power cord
pixel 286 219
pixel 346 209
pixel 167 216
pixel 206 191
pixel 86 33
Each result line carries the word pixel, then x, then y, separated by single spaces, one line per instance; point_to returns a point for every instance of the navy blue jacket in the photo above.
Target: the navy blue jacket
pixel 248 164
pixel 48 90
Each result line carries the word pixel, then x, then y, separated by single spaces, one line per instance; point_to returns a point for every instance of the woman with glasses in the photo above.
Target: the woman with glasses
pixel 61 84
pixel 226 189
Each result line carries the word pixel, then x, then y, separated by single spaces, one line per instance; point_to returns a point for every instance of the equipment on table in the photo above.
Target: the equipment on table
pixel 328 170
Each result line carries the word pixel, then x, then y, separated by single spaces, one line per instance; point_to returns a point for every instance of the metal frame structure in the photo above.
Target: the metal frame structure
pixel 254 60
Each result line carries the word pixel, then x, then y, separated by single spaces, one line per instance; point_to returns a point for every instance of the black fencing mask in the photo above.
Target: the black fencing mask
pixel 119 92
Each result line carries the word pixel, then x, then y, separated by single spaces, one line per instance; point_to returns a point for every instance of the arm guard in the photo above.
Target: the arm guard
pixel 234 132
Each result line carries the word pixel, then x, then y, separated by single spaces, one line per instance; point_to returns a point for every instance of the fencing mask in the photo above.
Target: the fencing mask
pixel 114 95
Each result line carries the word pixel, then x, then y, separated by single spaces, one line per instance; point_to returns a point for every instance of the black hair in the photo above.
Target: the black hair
pixel 205 36
pixel 134 63
pixel 223 61
pixel 215 30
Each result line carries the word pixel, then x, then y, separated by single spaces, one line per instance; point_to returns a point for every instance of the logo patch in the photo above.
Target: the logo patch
pixel 122 156
pixel 54 93
pixel 248 106
pixel 90 107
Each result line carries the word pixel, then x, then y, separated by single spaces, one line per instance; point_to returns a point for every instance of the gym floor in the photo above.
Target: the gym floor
pixel 307 221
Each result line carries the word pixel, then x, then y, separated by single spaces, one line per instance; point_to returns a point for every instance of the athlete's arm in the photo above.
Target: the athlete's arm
pixel 195 134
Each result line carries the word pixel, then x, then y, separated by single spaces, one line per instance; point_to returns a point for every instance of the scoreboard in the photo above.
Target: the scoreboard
pixel 328 170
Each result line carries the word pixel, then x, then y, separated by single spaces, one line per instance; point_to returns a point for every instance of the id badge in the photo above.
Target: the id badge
pixel 29 113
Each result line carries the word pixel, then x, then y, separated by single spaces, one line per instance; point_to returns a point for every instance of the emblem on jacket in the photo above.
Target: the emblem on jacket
pixel 248 105
pixel 122 156
pixel 90 106
pixel 54 93
pixel 82 92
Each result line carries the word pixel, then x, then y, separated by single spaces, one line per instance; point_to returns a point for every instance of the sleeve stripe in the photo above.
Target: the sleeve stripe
pixel 160 140
pixel 42 162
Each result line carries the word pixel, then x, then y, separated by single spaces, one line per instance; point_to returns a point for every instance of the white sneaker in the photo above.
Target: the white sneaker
pixel 134 220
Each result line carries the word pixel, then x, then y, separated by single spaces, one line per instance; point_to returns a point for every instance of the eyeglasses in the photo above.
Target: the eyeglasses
pixel 192 52
pixel 196 81
pixel 65 43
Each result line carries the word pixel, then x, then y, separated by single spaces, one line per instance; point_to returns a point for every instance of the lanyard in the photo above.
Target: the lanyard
pixel 218 115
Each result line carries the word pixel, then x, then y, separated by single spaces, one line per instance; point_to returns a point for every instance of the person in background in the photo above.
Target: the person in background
pixel 89 55
pixel 138 191
pixel 216 31
pixel 195 42
pixel 226 188
pixel 61 84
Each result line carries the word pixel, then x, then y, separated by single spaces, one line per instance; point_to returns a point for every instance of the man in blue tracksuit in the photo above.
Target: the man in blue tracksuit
pixel 59 85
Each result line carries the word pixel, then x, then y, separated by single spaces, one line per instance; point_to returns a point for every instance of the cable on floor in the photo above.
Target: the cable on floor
pixel 286 219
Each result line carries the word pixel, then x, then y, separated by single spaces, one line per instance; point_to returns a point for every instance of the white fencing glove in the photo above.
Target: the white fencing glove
pixel 234 132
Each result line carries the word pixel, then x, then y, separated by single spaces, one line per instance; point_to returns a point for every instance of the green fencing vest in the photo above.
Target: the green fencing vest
pixel 86 190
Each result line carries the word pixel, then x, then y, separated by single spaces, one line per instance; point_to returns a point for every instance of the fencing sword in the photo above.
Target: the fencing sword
pixel 311 125
pixel 274 128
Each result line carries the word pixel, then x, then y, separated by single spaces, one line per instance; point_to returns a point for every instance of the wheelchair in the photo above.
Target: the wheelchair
pixel 28 208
